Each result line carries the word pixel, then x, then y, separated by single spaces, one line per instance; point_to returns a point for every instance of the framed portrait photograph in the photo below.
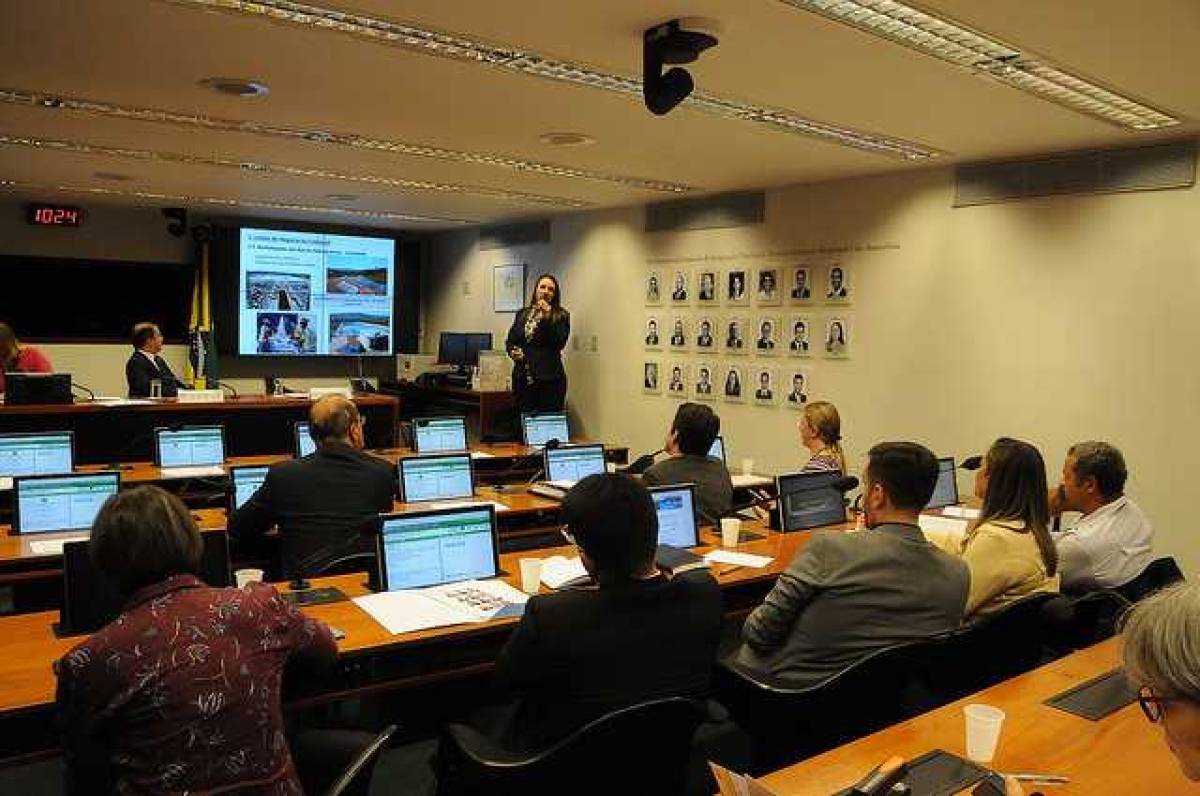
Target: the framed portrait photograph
pixel 677 379
pixel 766 340
pixel 704 389
pixel 707 284
pixel 798 334
pixel 734 335
pixel 732 389
pixel 800 284
pixel 768 292
pixel 837 284
pixel 654 287
pixel 678 339
pixel 508 288
pixel 837 337
pixel 766 391
pixel 680 288
pixel 650 384
pixel 708 328
pixel 652 333
pixel 797 387
pixel 736 291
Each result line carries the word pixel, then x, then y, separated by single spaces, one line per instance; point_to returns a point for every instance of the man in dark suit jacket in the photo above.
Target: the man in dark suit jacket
pixel 322 502
pixel 145 365
pixel 577 655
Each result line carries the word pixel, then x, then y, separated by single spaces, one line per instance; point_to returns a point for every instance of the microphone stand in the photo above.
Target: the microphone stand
pixel 521 461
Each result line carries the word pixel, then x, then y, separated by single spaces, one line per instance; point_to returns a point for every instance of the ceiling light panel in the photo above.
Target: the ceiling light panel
pixel 987 56
pixel 281 169
pixel 412 37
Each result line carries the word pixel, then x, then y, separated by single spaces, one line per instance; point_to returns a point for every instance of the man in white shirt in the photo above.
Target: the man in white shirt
pixel 1113 541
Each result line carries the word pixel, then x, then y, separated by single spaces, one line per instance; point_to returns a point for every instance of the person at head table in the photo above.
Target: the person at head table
pixel 688 441
pixel 18 357
pixel 188 675
pixel 145 366
pixel 322 502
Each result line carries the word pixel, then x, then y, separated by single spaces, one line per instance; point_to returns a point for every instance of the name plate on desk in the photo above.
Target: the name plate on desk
pixel 201 396
pixel 320 392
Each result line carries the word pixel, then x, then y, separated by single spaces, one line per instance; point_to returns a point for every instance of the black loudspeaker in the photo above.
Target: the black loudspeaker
pixel 178 218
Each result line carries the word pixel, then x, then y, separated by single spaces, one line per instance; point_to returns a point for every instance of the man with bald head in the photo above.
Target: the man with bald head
pixel 322 501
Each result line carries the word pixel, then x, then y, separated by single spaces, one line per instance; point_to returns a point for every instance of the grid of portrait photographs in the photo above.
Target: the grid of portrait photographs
pixel 749 327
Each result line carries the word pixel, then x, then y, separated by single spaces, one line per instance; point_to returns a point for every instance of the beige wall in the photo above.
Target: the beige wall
pixel 1053 320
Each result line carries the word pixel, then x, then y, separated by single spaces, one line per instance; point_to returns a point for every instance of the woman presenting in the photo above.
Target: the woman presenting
pixel 535 342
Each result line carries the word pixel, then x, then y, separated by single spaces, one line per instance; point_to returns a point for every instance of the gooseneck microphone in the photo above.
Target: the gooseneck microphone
pixel 971 463
pixel 844 484
pixel 642 463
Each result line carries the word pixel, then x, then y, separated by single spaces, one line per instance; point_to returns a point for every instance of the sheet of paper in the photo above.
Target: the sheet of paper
pixel 52 547
pixel 737 559
pixel 462 504
pixel 5 484
pixel 482 455
pixel 199 471
pixel 409 611
pixel 744 481
pixel 123 401
pixel 558 570
pixel 930 522
pixel 961 511
pixel 481 599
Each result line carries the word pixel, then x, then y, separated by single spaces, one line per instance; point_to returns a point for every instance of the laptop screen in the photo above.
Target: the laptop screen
pixel 245 482
pixel 540 429
pixel 945 493
pixel 47 453
pixel 303 444
pixel 718 448
pixel 430 548
pixel 190 446
pixel 48 503
pixel 435 478
pixel 806 500
pixel 676 515
pixel 574 462
pixel 439 434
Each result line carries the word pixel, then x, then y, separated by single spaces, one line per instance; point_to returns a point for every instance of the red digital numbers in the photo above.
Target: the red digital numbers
pixel 54 216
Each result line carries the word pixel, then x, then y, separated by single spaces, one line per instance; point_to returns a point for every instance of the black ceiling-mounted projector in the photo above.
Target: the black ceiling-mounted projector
pixel 669 43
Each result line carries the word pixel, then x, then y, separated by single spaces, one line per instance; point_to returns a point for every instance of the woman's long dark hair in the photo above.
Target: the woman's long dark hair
pixel 557 312
pixel 1016 490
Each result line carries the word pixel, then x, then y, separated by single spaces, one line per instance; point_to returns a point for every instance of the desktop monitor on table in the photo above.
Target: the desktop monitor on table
pixel 431 548
pixel 439 434
pixel 37 453
pixel 302 442
pixel 53 503
pixel 676 509
pixel 189 446
pixel 572 463
pixel 808 500
pixel 438 477
pixel 538 429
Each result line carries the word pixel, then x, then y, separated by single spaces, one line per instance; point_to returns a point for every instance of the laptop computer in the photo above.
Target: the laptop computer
pixel 567 464
pixel 438 477
pixel 538 429
pixel 302 441
pixel 38 388
pixel 808 500
pixel 945 492
pixel 244 481
pixel 432 548
pixel 89 601
pixel 190 451
pixel 37 453
pixel 439 434
pixel 58 503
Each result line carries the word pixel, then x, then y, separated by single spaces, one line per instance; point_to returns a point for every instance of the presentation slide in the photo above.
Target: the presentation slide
pixel 312 294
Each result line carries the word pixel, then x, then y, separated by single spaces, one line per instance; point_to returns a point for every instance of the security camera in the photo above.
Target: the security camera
pixel 669 43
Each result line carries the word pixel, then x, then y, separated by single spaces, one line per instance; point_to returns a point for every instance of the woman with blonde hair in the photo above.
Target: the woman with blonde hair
pixel 821 432
pixel 1009 550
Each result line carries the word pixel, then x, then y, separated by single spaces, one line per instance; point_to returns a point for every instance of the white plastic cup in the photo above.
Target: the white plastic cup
pixel 983 731
pixel 531 575
pixel 747 467
pixel 156 388
pixel 244 576
pixel 731 531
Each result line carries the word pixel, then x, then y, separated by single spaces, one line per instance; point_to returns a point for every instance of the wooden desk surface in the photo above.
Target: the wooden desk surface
pixel 1122 755
pixel 28 645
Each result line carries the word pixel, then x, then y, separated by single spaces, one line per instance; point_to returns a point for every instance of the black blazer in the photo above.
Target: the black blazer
pixel 321 503
pixel 577 655
pixel 543 360
pixel 139 372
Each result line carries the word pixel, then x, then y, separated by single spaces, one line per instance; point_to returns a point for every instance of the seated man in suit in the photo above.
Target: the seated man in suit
pixel 688 441
pixel 848 594
pixel 322 502
pixel 577 655
pixel 146 366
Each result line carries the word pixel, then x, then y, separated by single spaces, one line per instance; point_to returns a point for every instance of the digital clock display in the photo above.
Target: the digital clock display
pixel 54 216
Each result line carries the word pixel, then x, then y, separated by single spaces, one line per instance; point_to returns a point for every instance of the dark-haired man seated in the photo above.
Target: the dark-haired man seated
pixel 577 655
pixel 848 594
pixel 688 441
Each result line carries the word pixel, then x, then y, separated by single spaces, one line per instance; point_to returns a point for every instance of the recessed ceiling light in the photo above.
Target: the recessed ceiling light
pixel 236 87
pixel 566 139
pixel 341 197
pixel 112 176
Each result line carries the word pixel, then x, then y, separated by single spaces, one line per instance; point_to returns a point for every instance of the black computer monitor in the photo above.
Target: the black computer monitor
pixel 38 388
pixel 808 500
pixel 462 348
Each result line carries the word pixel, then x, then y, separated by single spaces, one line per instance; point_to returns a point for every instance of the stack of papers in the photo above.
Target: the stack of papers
pixel 558 571
pixel 737 559
pixel 470 601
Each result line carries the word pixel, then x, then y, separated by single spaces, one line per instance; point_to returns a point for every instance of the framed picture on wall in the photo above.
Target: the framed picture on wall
pixel 837 338
pixel 680 290
pixel 650 383
pixel 735 286
pixel 703 389
pixel 838 289
pixel 706 287
pixel 733 389
pixel 677 376
pixel 767 292
pixel 800 291
pixel 508 288
pixel 797 387
pixel 653 287
pixel 652 334
pixel 798 331
pixel 766 341
pixel 707 329
pixel 678 340
pixel 765 391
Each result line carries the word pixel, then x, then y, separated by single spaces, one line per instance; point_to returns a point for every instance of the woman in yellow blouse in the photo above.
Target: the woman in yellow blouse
pixel 1008 549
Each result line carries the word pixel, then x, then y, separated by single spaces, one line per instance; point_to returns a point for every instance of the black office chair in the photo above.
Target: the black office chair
pixel 1072 623
pixel 1158 574
pixel 996 647
pixel 787 723
pixel 643 749
pixel 338 762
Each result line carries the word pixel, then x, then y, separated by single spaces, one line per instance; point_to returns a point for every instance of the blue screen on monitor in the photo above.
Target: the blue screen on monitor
pixel 540 429
pixel 190 446
pixel 676 516
pixel 439 434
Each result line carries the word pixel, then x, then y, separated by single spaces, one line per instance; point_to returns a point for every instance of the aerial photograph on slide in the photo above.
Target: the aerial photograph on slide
pixel 367 281
pixel 271 290
pixel 359 333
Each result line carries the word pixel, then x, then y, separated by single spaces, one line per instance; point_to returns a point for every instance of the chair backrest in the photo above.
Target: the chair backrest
pixel 356 779
pixel 1072 623
pixel 997 646
pixel 1158 574
pixel 642 749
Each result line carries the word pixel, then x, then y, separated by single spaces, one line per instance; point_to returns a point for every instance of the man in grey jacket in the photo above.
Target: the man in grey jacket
pixel 847 594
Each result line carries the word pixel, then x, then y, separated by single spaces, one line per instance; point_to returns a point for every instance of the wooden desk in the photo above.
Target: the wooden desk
pixel 482 408
pixel 371 658
pixel 1119 756
pixel 254 424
